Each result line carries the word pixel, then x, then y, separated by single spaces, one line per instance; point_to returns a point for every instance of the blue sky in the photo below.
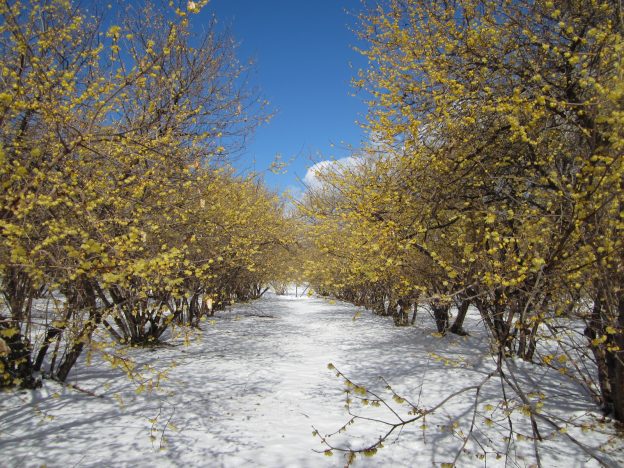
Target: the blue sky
pixel 304 62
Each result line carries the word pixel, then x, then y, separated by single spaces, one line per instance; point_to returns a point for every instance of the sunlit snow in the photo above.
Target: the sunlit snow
pixel 249 389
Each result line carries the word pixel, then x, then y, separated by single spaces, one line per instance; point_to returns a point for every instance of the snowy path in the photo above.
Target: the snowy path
pixel 248 392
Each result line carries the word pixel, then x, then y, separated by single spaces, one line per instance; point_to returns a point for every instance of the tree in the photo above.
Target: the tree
pixel 113 140
pixel 525 125
pixel 498 138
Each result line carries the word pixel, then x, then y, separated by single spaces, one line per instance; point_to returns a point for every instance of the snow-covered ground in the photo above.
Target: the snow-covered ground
pixel 250 388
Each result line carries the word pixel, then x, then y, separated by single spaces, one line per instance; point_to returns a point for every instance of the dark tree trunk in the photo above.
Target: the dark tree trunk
pixel 401 316
pixel 51 335
pixel 413 321
pixel 616 363
pixel 95 317
pixel 593 331
pixel 458 324
pixel 441 316
pixel 18 365
pixel 390 310
pixel 379 306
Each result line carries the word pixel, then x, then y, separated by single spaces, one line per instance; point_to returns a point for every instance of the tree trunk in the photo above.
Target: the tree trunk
pixel 18 365
pixel 51 334
pixel 390 310
pixel 441 316
pixel 616 364
pixel 401 317
pixel 458 324
pixel 593 331
pixel 95 317
pixel 379 307
pixel 413 321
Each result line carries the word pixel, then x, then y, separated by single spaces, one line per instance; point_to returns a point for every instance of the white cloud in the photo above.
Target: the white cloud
pixel 311 178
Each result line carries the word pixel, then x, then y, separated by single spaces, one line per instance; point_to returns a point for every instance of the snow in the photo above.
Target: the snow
pixel 248 390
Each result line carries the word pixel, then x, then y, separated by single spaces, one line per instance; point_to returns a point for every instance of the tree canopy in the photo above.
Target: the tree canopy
pixel 494 178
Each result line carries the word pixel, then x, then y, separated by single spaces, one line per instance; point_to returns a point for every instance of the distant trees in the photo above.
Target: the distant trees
pixel 496 178
pixel 116 209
